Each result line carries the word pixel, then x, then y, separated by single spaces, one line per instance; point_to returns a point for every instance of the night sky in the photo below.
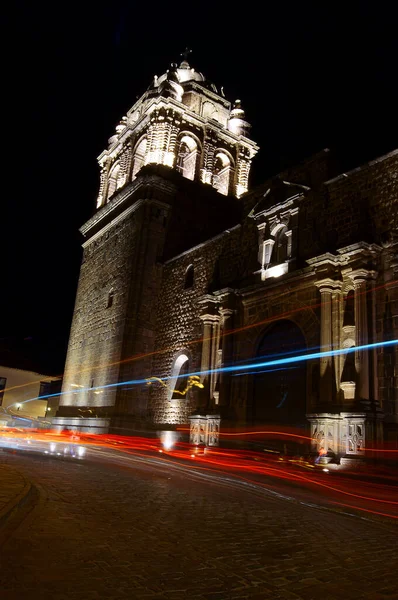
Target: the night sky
pixel 310 75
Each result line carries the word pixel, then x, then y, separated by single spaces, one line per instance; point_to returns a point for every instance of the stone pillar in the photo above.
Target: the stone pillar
pixel 206 348
pixel 211 321
pixel 337 316
pixel 359 278
pixel 103 185
pixel 215 342
pixel 374 392
pixel 326 288
pixel 225 380
pixel 204 430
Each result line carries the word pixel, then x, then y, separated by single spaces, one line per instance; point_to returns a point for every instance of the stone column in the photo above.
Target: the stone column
pixel 225 381
pixel 359 278
pixel 326 287
pixel 211 319
pixel 215 342
pixel 374 391
pixel 206 347
pixel 336 331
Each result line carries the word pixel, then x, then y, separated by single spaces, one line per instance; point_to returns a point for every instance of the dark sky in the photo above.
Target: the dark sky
pixel 310 75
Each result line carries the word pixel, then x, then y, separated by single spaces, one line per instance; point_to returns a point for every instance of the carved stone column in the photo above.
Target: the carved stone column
pixel 374 389
pixel 326 288
pixel 211 323
pixel 103 185
pixel 359 278
pixel 226 349
pixel 337 315
pixel 206 347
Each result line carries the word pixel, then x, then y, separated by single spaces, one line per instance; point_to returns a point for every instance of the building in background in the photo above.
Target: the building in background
pixel 19 393
pixel 185 271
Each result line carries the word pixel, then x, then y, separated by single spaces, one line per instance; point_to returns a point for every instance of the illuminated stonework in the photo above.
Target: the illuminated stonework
pixel 182 277
pixel 183 122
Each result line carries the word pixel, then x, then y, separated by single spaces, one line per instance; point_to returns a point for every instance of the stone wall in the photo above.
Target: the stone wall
pixel 363 204
pixel 349 209
pixel 96 338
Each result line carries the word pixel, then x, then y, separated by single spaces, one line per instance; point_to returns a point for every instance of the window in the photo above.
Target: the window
pixel 113 180
pixel 187 157
pixel 179 379
pixel 139 157
pixel 3 381
pixel 111 295
pixel 221 173
pixel 280 249
pixel 189 277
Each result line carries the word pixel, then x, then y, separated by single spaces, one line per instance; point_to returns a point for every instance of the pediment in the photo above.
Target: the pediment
pixel 278 194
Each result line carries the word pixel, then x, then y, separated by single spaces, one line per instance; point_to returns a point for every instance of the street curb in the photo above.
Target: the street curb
pixel 14 513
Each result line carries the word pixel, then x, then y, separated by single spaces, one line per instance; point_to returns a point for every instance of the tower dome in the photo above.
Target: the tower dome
pixel 236 122
pixel 183 73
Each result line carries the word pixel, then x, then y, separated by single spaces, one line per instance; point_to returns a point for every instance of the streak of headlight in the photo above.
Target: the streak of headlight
pixel 265 371
pixel 373 512
pixel 283 315
pixel 254 367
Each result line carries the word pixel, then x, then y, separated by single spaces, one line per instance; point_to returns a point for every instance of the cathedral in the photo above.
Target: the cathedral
pixel 190 281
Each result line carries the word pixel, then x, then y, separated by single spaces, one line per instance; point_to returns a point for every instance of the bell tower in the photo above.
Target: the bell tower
pixel 171 177
pixel 184 122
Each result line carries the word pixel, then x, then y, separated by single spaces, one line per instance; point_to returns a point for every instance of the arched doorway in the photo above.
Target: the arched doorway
pixel 280 390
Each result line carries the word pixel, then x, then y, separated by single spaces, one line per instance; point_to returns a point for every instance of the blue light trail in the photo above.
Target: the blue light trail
pixel 234 368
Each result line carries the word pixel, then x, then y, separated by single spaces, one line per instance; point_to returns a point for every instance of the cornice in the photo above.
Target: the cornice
pixel 186 114
pixel 114 222
pixel 303 277
pixel 124 194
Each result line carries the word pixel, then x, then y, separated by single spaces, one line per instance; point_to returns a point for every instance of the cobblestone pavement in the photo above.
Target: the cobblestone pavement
pixel 12 486
pixel 134 533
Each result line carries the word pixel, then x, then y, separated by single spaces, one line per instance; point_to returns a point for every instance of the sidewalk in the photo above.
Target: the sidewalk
pixel 16 495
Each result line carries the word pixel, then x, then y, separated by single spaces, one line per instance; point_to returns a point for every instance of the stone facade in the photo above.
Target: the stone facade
pixel 185 272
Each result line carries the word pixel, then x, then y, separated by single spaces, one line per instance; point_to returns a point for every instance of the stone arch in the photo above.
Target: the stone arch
pixel 280 391
pixel 111 297
pixel 280 250
pixel 188 153
pixel 222 170
pixel 189 277
pixel 139 156
pixel 114 180
pixel 177 379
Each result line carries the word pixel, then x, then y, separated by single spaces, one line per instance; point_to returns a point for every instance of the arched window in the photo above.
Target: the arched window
pixel 113 180
pixel 179 380
pixel 189 277
pixel 187 156
pixel 111 296
pixel 139 157
pixel 221 173
pixel 280 249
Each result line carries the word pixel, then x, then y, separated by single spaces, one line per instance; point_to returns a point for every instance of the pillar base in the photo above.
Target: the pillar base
pixel 204 429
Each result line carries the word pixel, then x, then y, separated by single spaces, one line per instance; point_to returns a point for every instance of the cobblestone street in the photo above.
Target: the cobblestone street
pixel 102 531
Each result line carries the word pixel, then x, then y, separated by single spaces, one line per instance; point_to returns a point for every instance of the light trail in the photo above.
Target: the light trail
pixel 239 464
pixel 231 369
pixel 269 320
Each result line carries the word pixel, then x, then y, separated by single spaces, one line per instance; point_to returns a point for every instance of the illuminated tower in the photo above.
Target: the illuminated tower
pixel 182 122
pixel 171 176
